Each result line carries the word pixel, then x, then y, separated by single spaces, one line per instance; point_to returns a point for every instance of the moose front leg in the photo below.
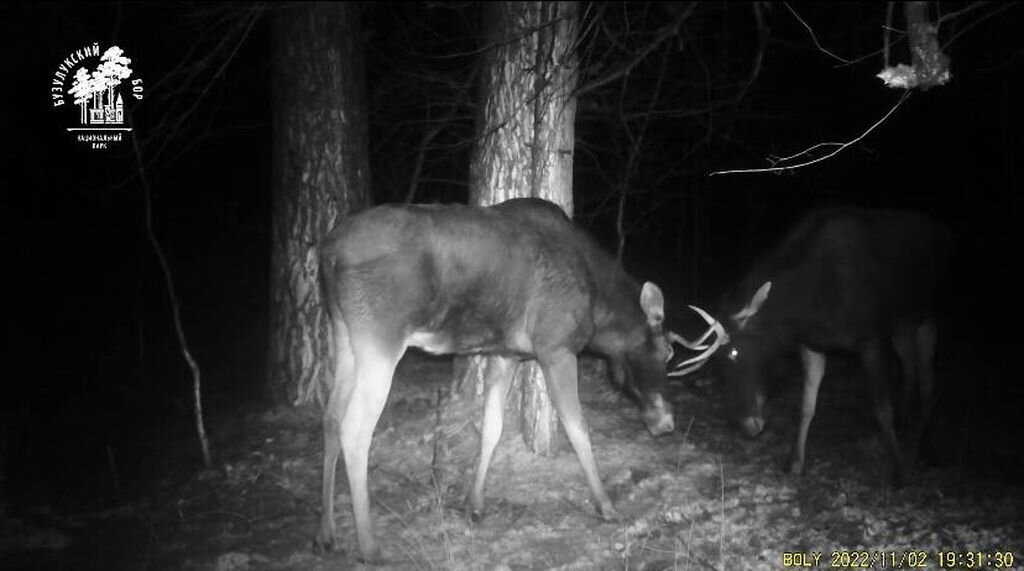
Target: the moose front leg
pixel 874 372
pixel 814 370
pixel 561 374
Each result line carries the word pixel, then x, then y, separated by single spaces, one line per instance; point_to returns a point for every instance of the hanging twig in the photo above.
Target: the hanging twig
pixel 421 154
pixel 995 12
pixel 666 32
pixel 814 37
pixel 635 149
pixel 428 138
pixel 841 147
pixel 173 296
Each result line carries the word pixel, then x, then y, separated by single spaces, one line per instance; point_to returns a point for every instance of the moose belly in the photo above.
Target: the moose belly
pixel 465 342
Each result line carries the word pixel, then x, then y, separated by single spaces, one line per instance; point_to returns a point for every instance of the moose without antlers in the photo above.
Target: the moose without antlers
pixel 518 281
pixel 843 280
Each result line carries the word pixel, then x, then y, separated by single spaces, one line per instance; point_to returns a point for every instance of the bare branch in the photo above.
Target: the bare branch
pixel 762 42
pixel 811 32
pixel 663 34
pixel 183 345
pixel 1002 8
pixel 841 147
pixel 952 15
pixel 421 152
pixel 174 122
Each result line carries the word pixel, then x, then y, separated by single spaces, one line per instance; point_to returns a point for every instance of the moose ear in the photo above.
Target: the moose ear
pixel 759 297
pixel 653 303
pixel 743 316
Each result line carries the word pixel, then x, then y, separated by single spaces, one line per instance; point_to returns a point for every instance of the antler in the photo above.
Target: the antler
pixel 694 363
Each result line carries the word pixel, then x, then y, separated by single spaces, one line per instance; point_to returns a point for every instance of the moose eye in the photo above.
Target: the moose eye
pixel 733 354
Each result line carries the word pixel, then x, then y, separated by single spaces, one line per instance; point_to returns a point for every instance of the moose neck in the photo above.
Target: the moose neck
pixel 616 311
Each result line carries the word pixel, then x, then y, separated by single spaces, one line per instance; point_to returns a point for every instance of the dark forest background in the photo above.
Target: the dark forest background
pixel 93 363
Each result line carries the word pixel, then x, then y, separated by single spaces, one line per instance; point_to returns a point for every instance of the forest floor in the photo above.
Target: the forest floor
pixel 700 498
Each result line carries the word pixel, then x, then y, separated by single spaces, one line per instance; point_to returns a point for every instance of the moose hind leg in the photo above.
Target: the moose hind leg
pixel 340 391
pixel 926 338
pixel 498 376
pixel 375 367
pixel 906 349
pixel 561 374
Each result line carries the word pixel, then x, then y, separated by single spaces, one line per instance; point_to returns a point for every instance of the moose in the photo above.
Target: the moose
pixel 516 281
pixel 843 280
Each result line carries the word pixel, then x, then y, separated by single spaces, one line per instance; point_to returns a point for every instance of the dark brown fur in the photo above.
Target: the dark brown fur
pixel 843 280
pixel 518 281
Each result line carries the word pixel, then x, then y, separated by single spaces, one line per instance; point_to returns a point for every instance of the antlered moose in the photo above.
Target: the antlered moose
pixel 842 280
pixel 517 281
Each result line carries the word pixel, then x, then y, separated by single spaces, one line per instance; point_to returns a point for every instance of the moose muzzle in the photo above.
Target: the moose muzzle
pixel 657 416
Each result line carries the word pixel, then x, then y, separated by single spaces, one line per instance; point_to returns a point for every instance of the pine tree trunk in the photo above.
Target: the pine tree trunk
pixel 525 149
pixel 931 66
pixel 320 173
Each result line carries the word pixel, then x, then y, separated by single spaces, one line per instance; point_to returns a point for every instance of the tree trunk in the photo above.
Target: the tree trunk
pixel 525 149
pixel 931 66
pixel 320 173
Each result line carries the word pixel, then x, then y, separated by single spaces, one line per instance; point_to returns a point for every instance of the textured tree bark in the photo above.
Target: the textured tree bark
pixel 320 173
pixel 525 146
pixel 931 66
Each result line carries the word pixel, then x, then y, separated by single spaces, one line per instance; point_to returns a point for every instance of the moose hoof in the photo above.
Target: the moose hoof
pixel 474 515
pixel 473 509
pixel 796 466
pixel 899 476
pixel 323 544
pixel 609 514
pixel 372 556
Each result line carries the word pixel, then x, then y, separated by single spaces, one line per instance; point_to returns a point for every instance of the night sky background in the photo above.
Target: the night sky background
pixel 93 363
